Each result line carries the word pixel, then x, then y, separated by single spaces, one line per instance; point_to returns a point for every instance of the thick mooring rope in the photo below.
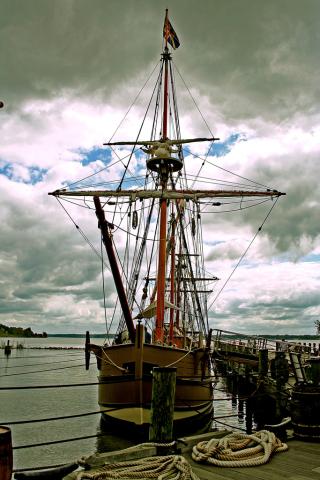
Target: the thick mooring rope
pixel 173 467
pixel 239 449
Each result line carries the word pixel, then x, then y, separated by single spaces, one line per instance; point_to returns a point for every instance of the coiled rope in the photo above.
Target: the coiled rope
pixel 173 467
pixel 239 449
pixel 168 467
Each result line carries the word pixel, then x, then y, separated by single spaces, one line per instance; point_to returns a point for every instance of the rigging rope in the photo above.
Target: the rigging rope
pixel 195 103
pixel 141 126
pixel 181 358
pixel 117 128
pixel 229 171
pixel 243 255
pixel 134 101
pixel 82 233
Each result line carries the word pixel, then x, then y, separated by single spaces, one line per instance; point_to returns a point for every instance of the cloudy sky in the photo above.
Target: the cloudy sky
pixel 69 71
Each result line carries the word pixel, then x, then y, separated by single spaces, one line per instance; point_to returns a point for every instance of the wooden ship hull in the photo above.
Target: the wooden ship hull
pixel 125 384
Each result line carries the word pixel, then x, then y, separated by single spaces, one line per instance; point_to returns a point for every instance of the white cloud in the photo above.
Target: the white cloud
pixel 251 74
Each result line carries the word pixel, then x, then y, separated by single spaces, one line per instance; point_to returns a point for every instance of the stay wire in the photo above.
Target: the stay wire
pixel 141 126
pixel 134 101
pixel 195 103
pixel 120 160
pixel 117 128
pixel 226 170
pixel 243 255
pixel 82 233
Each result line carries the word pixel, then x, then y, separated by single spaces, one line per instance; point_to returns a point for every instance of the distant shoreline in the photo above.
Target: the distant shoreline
pixel 270 337
pixel 80 335
pixel 57 335
pixel 103 335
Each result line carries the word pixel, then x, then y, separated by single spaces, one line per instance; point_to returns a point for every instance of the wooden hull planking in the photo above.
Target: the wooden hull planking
pixel 125 383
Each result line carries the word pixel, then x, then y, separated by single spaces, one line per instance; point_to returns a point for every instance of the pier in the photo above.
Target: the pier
pixel 243 406
pixel 300 462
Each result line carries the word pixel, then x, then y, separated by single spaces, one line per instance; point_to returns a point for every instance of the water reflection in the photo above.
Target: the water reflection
pixel 234 412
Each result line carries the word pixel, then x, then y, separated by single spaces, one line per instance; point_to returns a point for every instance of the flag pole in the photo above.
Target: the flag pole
pixel 166 28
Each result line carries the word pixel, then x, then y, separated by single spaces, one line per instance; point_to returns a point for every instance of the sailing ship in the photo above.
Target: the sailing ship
pixel 156 259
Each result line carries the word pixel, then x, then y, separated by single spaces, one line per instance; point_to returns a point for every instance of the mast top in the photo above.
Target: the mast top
pixel 169 34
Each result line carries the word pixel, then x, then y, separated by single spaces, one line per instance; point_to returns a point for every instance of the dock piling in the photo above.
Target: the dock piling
pixel 162 404
pixel 6 458
pixel 263 362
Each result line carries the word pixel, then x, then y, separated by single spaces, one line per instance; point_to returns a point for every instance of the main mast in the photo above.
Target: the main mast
pixel 163 174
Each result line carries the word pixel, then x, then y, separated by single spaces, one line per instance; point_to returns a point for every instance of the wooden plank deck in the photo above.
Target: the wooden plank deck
pixel 300 462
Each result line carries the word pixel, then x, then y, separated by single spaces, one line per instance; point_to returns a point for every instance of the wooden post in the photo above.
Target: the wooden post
pixel 6 460
pixel 139 343
pixel 281 375
pixel 249 414
pixel 263 362
pixel 87 350
pixel 314 370
pixel 162 404
pixel 7 348
pixel 281 369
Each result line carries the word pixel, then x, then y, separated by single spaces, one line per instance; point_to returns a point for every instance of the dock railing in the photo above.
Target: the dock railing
pixel 229 341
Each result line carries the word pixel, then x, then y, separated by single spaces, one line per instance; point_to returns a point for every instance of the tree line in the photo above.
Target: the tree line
pixel 6 331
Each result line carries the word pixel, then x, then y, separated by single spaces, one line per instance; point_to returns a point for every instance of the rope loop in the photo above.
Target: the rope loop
pixel 239 449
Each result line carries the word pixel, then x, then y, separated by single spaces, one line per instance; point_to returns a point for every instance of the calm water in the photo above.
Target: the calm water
pixel 31 367
pixel 34 366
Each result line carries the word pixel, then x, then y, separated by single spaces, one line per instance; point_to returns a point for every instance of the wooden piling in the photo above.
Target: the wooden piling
pixel 263 362
pixel 162 404
pixel 7 348
pixel 87 350
pixel 313 370
pixel 6 458
pixel 280 369
pixel 249 416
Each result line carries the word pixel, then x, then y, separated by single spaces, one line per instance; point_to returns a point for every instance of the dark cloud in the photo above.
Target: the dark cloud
pixel 252 67
pixel 246 56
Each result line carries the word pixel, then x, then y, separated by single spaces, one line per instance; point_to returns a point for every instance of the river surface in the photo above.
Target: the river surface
pixel 39 363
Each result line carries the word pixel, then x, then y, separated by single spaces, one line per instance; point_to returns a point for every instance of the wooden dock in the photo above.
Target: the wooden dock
pixel 300 462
